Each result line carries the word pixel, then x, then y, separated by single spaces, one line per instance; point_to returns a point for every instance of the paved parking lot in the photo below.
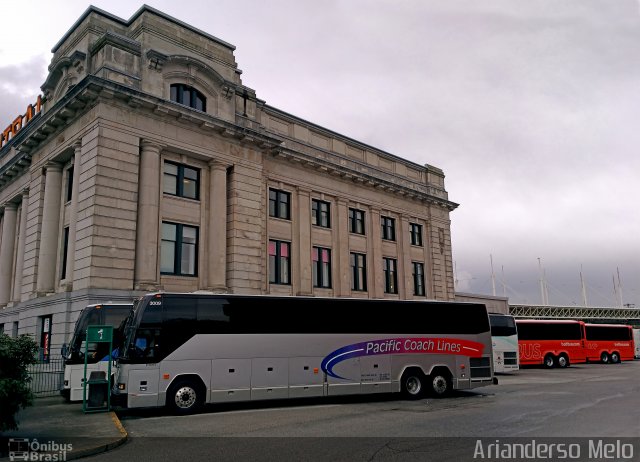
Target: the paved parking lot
pixel 582 401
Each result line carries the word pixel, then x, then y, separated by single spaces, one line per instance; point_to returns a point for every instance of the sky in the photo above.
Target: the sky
pixel 529 106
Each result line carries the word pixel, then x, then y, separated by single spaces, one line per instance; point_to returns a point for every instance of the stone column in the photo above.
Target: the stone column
pixel 22 236
pixel 49 234
pixel 342 278
pixel 6 251
pixel 217 239
pixel 73 215
pixel 375 271
pixel 147 230
pixel 405 270
pixel 304 243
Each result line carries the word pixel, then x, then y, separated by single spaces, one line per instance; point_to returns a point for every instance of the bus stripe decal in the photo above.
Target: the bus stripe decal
pixel 421 345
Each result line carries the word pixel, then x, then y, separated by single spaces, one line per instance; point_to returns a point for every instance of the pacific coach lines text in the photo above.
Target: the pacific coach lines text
pixel 397 346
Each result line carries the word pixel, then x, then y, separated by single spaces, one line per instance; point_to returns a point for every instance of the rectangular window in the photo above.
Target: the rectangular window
pixel 179 249
pixel 1 329
pixel 388 228
pixel 416 234
pixel 356 221
pixel 69 183
pixel 320 213
pixel 45 338
pixel 279 204
pixel 390 266
pixel 321 267
pixel 14 330
pixel 279 262
pixel 418 278
pixel 358 272
pixel 65 246
pixel 182 181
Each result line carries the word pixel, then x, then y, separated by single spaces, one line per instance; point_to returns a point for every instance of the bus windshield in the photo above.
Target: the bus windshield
pixel 104 314
pixel 502 325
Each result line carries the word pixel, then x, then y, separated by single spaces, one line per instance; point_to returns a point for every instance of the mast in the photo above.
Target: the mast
pixel 584 288
pixel 619 287
pixel 543 292
pixel 493 276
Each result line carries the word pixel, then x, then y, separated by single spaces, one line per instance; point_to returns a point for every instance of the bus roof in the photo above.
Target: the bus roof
pixel 295 297
pixel 549 321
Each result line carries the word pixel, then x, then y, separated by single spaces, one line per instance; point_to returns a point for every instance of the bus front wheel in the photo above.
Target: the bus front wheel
pixel 185 397
pixel 412 383
pixel 549 361
pixel 615 357
pixel 604 357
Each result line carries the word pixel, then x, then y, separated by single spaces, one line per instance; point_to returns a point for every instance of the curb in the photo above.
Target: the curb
pixel 124 436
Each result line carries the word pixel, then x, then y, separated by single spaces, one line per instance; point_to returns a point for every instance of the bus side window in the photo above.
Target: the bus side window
pixel 213 316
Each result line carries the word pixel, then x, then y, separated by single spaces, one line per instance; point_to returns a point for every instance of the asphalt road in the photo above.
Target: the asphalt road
pixel 562 406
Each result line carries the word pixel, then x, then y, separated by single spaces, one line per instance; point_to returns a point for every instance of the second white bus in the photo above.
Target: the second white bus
pixel 504 338
pixel 98 353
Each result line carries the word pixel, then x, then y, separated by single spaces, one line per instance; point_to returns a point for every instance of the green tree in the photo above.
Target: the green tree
pixel 16 354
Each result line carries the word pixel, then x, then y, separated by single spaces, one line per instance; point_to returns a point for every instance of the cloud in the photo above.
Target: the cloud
pixel 20 86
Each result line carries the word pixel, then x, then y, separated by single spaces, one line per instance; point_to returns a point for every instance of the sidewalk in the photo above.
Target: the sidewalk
pixel 58 426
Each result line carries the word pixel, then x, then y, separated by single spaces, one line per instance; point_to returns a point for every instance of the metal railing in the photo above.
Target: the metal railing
pixel 46 377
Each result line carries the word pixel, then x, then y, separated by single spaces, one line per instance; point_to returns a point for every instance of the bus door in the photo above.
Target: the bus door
pixel 144 379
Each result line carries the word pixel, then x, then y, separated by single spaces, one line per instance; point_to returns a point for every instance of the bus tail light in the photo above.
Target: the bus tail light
pixel 463 367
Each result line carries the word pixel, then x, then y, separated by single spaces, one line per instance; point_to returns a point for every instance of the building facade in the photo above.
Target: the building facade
pixel 147 165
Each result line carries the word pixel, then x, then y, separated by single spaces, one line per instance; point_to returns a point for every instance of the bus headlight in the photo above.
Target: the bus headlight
pixel 121 386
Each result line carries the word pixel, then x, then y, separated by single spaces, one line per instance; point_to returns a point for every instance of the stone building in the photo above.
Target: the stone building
pixel 147 165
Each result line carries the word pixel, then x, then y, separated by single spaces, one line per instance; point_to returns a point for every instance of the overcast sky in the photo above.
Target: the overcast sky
pixel 529 106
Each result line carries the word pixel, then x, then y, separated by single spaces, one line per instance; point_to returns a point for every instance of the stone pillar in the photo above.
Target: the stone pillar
pixel 22 236
pixel 73 215
pixel 147 230
pixel 6 251
pixel 342 278
pixel 305 275
pixel 217 239
pixel 405 267
pixel 49 234
pixel 375 276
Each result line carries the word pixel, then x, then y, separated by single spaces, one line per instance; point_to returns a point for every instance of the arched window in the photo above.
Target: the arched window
pixel 189 96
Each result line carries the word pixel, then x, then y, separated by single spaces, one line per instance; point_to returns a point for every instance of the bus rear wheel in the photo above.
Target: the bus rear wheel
pixel 563 361
pixel 185 397
pixel 615 357
pixel 549 361
pixel 604 357
pixel 412 383
pixel 440 383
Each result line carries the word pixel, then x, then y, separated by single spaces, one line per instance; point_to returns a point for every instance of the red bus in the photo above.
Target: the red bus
pixel 552 343
pixel 609 343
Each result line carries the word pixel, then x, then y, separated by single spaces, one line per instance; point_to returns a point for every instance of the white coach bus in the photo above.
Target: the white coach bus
pixel 184 350
pixel 504 337
pixel 110 314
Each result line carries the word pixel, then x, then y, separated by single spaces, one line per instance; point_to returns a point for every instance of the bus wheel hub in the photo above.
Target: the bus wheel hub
pixel 185 397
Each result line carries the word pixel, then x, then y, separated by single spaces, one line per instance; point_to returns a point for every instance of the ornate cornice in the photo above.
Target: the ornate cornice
pixel 363 174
